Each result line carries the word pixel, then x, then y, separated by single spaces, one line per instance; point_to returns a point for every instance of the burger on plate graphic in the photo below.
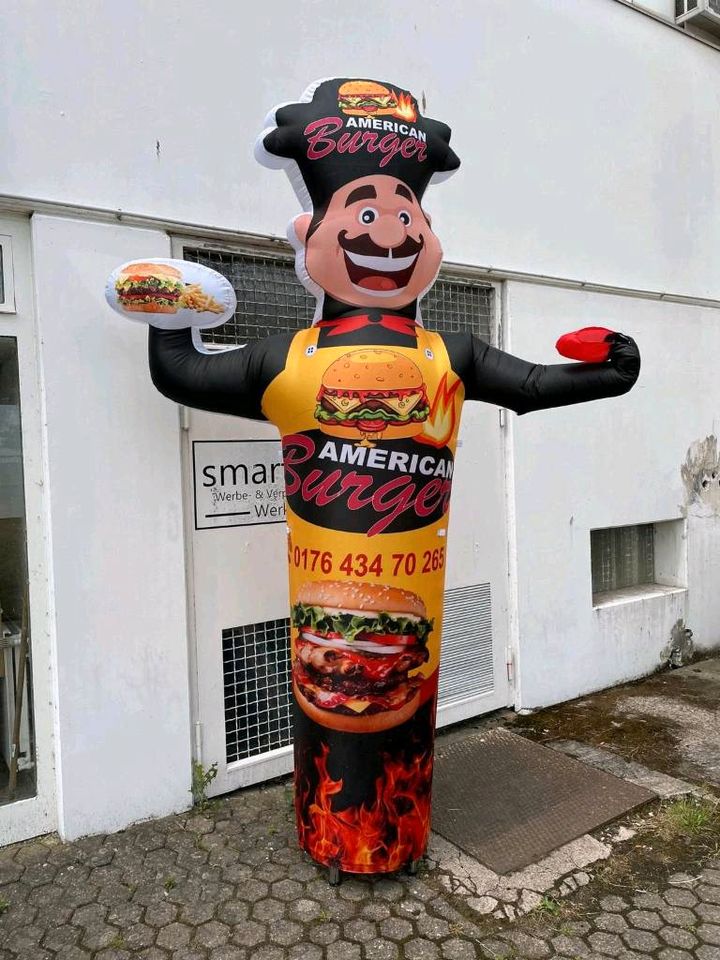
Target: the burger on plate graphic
pixel 150 288
pixel 370 393
pixel 356 646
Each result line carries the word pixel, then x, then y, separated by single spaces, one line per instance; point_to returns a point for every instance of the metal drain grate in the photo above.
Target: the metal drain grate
pixel 466 665
pixel 272 300
pixel 256 673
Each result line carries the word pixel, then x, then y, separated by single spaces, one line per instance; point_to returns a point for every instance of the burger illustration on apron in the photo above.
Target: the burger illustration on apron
pixel 368 405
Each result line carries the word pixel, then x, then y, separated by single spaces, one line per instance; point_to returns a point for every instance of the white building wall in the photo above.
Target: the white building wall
pixel 589 134
pixel 611 463
pixel 116 535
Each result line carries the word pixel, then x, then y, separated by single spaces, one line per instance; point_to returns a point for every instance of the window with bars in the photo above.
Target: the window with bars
pixel 272 300
pixel 256 657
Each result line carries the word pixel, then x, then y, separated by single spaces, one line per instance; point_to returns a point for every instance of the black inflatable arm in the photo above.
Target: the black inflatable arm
pixel 226 382
pixel 498 377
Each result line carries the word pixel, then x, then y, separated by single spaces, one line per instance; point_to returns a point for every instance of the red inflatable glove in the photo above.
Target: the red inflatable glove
pixel 591 344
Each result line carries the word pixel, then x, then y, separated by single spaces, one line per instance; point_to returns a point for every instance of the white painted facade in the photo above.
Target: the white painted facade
pixel 589 137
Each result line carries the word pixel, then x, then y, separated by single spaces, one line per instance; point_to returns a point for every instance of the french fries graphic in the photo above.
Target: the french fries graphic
pixel 193 298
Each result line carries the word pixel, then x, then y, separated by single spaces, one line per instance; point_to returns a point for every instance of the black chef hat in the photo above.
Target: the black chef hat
pixel 343 129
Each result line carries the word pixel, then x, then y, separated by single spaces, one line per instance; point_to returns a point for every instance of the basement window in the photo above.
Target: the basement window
pixel 639 560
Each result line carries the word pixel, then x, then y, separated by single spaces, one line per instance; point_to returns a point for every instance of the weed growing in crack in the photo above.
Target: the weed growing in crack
pixel 689 816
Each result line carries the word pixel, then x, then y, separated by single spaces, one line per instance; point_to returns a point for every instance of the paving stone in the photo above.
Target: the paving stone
pixel 709 933
pixel 381 949
pixel 375 910
pixel 285 932
pixel 228 952
pixel 711 876
pixel 388 890
pixel 160 914
pixel 677 937
pixel 432 927
pixel 642 940
pixel 648 901
pixel 670 953
pixel 248 933
pixel 644 919
pixel 174 936
pixel 526 945
pixel 200 912
pixel 359 931
pixel 708 893
pixel 324 932
pixel 305 951
pixel 681 879
pixel 706 952
pixel 708 911
pixel 268 952
pixel 395 928
pixel 343 950
pixel 570 946
pixel 613 904
pixel 680 897
pixel 139 935
pixel 287 890
pixel 268 909
pixel 418 949
pixel 606 943
pixel 679 916
pixel 59 937
pixel 457 949
pixel 212 934
pixel 611 922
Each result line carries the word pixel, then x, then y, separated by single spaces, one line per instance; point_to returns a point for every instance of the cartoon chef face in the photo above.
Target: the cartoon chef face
pixel 372 244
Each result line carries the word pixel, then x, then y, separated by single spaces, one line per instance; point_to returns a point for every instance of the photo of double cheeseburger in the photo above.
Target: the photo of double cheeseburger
pixel 358 651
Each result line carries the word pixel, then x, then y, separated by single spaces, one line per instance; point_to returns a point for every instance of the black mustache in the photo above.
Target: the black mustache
pixel 366 247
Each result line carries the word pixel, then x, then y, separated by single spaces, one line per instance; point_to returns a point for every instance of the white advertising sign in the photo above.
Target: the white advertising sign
pixel 238 483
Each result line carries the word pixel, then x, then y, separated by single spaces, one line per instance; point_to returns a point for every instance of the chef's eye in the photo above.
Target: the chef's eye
pixel 404 217
pixel 368 215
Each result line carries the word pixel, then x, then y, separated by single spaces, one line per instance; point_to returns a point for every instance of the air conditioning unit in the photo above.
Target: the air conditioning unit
pixel 699 13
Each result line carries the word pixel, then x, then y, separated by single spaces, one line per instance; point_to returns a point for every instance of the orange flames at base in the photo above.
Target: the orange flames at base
pixel 440 424
pixel 379 837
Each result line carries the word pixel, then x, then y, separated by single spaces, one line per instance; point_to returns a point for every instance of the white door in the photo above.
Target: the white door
pixel 237 545
pixel 30 809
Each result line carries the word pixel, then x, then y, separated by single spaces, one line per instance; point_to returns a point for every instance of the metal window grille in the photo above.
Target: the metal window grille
pixel 466 665
pixel 622 557
pixel 256 672
pixel 272 300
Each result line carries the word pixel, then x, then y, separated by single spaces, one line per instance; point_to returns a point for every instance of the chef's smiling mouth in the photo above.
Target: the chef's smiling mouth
pixel 379 271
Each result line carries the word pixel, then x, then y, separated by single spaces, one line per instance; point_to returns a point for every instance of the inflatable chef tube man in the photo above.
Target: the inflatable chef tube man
pixel 368 405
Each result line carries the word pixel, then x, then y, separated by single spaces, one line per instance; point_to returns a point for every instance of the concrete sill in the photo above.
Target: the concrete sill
pixel 645 591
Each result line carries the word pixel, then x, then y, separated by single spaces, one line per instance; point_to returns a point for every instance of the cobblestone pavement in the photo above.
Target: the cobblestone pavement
pixel 231 884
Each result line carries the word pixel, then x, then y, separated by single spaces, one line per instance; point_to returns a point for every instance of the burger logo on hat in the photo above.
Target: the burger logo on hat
pixel 366 98
pixel 366 394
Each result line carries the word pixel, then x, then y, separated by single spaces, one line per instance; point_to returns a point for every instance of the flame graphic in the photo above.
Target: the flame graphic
pixel 405 109
pixel 440 424
pixel 379 837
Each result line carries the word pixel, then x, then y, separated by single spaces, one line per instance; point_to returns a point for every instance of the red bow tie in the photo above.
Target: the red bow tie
pixel 398 324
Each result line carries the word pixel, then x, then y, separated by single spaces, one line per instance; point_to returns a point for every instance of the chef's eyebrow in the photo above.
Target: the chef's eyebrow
pixel 402 191
pixel 361 193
